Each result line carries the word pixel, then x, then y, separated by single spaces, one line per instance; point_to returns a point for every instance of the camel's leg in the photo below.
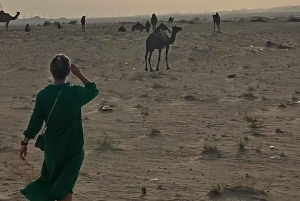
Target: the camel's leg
pixel 159 55
pixel 146 56
pixel 167 52
pixel 149 60
pixel 214 27
pixel 7 23
pixel 154 27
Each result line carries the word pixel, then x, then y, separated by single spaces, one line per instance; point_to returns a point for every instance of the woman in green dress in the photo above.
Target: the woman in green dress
pixel 63 138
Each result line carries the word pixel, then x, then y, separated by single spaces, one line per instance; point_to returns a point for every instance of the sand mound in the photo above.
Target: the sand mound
pixel 258 20
pixel 293 20
pixel 270 44
pixel 240 193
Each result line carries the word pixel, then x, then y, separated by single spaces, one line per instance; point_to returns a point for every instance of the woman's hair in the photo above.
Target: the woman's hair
pixel 60 66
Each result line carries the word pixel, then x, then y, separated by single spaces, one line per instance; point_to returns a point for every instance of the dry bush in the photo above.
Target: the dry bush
pixel 47 23
pixel 255 124
pixel 157 86
pixel 216 190
pixel 242 144
pixel 139 106
pixel 144 191
pixel 189 97
pixel 278 130
pixel 106 143
pixel 153 132
pixel 144 112
pixel 210 149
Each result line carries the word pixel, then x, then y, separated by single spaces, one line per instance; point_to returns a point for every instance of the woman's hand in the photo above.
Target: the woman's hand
pixel 75 70
pixel 23 152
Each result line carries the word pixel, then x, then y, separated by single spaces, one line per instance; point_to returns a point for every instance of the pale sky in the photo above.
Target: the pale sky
pixel 98 8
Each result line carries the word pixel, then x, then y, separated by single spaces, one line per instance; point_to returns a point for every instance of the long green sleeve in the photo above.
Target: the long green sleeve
pixel 87 93
pixel 36 120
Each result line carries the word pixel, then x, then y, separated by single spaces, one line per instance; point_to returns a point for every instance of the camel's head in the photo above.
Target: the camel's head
pixel 18 13
pixel 176 29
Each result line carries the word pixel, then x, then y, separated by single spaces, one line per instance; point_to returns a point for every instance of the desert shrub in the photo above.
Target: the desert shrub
pixel 210 148
pixel 242 144
pixel 47 23
pixel 106 143
pixel 216 190
pixel 154 132
pixel 73 22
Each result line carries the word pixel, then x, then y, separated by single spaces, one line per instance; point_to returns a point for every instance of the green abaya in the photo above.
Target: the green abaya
pixel 63 140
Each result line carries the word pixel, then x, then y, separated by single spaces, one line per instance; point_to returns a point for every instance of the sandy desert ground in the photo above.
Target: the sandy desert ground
pixel 175 132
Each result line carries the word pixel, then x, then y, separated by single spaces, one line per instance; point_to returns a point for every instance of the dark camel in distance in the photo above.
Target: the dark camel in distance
pixel 217 20
pixel 27 28
pixel 171 19
pixel 148 26
pixel 83 23
pixel 159 40
pixel 154 21
pixel 122 29
pixel 5 17
pixel 138 26
pixel 59 26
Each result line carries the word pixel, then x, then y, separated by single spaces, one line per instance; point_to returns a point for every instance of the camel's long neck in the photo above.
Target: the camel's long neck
pixel 173 37
pixel 15 17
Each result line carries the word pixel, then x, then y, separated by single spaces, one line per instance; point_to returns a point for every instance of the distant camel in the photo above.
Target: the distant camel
pixel 154 21
pixel 217 20
pixel 27 28
pixel 159 40
pixel 138 26
pixel 148 26
pixel 83 23
pixel 5 17
pixel 162 27
pixel 171 19
pixel 122 29
pixel 59 26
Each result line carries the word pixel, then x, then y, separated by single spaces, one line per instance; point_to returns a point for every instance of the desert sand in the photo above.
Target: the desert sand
pixel 175 132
